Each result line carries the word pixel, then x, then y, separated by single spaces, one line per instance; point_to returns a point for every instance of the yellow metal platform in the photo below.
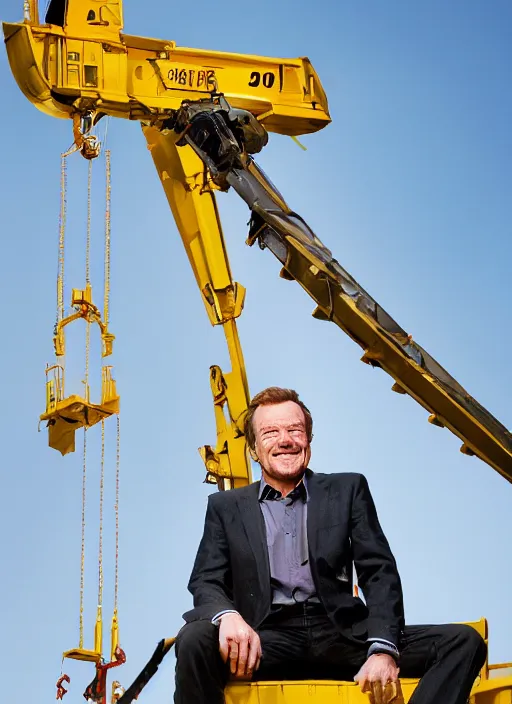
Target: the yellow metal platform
pixel 82 654
pixel 493 691
pixel 72 413
pixel 325 691
pixel 492 687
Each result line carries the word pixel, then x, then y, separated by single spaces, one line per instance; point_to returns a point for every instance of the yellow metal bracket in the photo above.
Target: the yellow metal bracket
pixel 223 304
pixel 230 451
pixel 114 635
pixel 89 655
pixel 81 300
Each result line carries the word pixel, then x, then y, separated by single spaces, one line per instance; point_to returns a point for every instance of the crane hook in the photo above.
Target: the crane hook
pixel 61 690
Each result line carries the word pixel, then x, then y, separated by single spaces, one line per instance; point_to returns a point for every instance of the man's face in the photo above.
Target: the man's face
pixel 282 445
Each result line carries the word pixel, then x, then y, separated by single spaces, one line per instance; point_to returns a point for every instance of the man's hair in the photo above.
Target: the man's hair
pixel 270 397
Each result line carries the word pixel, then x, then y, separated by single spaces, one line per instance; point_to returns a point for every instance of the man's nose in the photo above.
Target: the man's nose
pixel 285 438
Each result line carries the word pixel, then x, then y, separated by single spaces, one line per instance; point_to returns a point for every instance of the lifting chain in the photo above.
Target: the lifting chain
pixel 89 147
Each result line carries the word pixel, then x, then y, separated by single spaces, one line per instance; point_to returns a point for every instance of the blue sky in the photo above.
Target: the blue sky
pixel 410 187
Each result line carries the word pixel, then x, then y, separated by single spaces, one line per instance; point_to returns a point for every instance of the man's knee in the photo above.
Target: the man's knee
pixel 473 640
pixel 197 639
pixel 468 639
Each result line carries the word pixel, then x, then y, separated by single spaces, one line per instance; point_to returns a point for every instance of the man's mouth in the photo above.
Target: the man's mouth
pixel 292 453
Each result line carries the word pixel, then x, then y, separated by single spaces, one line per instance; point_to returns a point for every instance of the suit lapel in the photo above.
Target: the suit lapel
pixel 254 527
pixel 319 508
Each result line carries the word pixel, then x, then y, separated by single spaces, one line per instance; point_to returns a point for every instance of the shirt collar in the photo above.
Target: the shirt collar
pixel 268 493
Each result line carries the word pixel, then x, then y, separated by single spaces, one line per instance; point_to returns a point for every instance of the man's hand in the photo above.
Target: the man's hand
pixel 240 644
pixel 379 677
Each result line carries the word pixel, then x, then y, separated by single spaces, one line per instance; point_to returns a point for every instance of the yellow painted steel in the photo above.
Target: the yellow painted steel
pixel 82 300
pixel 88 64
pixel 84 654
pixel 66 414
pixel 495 691
pixel 487 690
pixel 82 63
pixel 193 205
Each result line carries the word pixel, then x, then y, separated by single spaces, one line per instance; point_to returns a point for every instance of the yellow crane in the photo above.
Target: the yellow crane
pixel 204 115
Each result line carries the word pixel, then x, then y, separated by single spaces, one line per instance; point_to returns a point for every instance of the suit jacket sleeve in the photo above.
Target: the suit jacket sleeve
pixel 376 568
pixel 211 581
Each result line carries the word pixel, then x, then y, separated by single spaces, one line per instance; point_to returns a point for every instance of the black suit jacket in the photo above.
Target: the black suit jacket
pixel 231 570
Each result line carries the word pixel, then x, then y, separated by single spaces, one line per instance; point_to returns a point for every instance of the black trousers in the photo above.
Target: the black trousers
pixel 308 646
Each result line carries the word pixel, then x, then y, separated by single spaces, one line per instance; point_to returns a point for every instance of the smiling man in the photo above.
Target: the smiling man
pixel 272 582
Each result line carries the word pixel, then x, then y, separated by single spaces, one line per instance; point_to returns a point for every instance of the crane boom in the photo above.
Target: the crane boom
pixel 338 296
